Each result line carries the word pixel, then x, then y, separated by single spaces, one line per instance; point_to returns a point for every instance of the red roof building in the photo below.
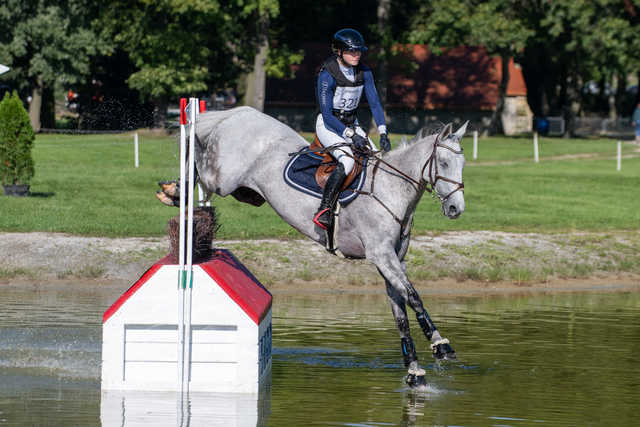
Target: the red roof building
pixel 464 78
pixel 458 84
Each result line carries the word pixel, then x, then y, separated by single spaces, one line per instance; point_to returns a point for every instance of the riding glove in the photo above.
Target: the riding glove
pixel 385 145
pixel 359 142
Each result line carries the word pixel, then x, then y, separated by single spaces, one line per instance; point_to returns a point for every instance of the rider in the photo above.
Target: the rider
pixel 341 81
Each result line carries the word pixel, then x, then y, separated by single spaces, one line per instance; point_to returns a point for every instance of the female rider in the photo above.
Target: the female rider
pixel 341 82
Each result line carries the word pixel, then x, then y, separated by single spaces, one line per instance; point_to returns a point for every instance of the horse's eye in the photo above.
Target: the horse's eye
pixel 444 164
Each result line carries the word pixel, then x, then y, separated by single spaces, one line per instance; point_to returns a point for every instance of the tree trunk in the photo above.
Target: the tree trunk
pixel 35 106
pixel 611 99
pixel 256 79
pixel 532 62
pixel 381 69
pixel 383 18
pixel 160 106
pixel 496 118
pixel 620 91
pixel 571 102
pixel 48 110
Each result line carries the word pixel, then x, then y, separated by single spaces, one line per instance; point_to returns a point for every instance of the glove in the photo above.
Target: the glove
pixel 385 145
pixel 359 142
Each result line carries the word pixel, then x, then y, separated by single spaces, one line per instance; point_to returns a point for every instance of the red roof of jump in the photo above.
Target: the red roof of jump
pixel 462 78
pixel 230 274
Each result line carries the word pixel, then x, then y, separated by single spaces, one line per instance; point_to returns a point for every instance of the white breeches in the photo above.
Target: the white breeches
pixel 343 154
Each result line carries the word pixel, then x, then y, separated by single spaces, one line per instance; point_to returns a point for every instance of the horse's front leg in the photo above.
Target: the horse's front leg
pixel 415 374
pixel 390 267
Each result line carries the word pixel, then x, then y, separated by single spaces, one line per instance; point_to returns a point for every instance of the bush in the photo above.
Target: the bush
pixel 16 141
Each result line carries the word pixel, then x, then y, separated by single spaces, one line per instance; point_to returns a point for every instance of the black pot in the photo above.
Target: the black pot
pixel 18 190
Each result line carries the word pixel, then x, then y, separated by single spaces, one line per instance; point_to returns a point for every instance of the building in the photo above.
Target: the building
pixel 423 89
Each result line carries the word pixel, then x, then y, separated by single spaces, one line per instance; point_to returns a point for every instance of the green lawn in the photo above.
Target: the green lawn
pixel 88 185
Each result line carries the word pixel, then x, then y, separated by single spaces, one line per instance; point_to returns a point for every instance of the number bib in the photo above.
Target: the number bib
pixel 347 98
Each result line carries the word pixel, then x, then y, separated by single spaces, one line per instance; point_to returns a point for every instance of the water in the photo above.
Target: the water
pixel 567 359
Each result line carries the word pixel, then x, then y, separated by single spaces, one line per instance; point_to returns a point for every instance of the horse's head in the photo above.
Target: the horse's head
pixel 443 170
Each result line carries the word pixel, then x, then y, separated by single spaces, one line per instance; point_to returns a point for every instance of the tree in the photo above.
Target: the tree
pixel 186 47
pixel 47 42
pixel 16 141
pixel 262 11
pixel 493 24
pixel 575 44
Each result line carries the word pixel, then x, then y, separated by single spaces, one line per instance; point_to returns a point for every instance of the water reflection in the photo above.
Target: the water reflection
pixel 170 409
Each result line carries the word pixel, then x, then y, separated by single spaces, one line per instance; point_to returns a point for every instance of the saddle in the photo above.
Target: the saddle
pixel 329 164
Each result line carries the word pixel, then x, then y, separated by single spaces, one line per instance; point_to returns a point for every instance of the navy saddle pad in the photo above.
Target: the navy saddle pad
pixel 300 173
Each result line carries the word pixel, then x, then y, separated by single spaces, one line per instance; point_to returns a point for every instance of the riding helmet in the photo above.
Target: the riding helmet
pixel 348 39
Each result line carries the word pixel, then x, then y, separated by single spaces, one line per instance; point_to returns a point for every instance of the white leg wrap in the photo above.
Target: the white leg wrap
pixel 440 341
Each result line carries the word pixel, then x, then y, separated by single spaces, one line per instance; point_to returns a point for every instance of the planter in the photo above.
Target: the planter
pixel 19 190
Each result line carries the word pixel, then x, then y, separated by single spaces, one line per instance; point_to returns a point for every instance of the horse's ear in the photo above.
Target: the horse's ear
pixel 462 130
pixel 444 133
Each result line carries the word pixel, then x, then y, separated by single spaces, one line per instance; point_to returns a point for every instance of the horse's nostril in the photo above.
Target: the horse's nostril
pixel 453 210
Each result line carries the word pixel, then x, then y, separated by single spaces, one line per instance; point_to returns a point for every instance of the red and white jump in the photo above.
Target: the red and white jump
pixel 200 327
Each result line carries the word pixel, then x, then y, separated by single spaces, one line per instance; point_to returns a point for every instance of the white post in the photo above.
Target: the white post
pixel 619 166
pixel 536 158
pixel 475 144
pixel 181 270
pixel 191 193
pixel 135 149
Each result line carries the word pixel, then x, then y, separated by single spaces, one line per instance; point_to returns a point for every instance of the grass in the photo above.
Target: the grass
pixel 520 149
pixel 88 185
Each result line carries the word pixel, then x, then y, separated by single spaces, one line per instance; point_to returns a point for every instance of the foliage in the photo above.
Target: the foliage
pixel 280 59
pixel 182 47
pixel 48 41
pixel 493 24
pixel 562 45
pixel 16 141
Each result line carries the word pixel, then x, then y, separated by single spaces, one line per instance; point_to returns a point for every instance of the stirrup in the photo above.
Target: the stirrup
pixel 316 218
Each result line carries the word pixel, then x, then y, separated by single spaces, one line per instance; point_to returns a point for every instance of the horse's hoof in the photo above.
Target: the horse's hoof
pixel 160 195
pixel 170 188
pixel 443 351
pixel 415 381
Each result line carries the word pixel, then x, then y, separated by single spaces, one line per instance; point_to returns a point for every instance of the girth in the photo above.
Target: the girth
pixel 329 164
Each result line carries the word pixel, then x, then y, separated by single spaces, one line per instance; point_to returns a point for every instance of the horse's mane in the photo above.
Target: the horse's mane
pixel 430 129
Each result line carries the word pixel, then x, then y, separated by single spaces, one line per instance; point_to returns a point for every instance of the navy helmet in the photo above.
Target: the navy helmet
pixel 348 39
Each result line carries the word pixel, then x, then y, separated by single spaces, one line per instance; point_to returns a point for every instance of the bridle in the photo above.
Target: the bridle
pixel 436 177
pixel 420 185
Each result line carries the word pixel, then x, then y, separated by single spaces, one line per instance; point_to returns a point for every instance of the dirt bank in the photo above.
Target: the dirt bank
pixel 448 263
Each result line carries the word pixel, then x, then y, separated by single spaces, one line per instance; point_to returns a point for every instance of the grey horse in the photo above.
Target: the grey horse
pixel 242 152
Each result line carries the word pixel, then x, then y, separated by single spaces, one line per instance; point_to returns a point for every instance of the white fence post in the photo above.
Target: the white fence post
pixel 536 158
pixel 135 149
pixel 181 264
pixel 475 144
pixel 619 166
pixel 191 193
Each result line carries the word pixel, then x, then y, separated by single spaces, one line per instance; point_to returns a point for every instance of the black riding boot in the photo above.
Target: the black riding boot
pixel 329 197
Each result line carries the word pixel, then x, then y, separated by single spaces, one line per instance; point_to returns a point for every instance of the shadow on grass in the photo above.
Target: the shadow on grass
pixel 42 195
